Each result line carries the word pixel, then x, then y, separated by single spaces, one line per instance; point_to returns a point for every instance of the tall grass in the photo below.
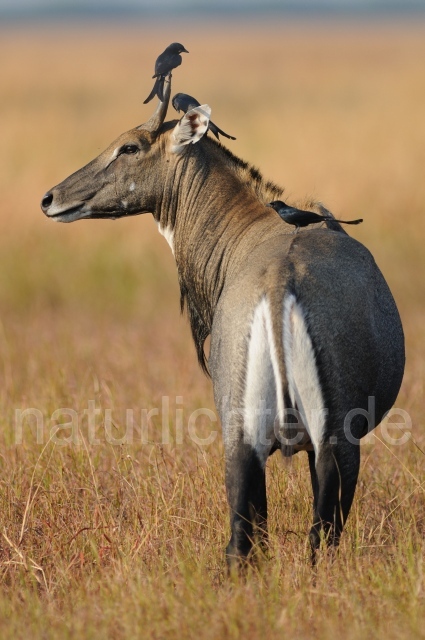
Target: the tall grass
pixel 127 540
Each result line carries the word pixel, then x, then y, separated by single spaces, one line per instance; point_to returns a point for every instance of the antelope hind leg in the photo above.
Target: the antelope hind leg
pixel 246 493
pixel 334 472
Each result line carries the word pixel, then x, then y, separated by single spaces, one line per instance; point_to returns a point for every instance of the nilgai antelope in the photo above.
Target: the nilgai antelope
pixel 307 347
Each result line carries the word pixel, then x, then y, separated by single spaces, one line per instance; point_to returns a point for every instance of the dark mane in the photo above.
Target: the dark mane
pixel 265 190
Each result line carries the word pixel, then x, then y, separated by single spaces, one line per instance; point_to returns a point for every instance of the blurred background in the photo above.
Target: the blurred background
pixel 327 99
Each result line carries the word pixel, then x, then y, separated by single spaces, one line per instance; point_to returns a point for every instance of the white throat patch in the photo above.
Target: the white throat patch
pixel 168 234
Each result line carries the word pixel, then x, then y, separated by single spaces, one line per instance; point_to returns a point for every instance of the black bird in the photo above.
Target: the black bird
pixel 184 102
pixel 299 218
pixel 165 63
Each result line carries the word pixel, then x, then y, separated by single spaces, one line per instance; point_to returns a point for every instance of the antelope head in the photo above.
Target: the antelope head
pixel 128 177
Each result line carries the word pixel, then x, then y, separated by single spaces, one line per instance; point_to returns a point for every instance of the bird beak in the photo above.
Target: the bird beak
pixel 185 50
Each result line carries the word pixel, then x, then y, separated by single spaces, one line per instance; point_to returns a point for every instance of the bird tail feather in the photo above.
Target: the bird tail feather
pixel 158 90
pixel 214 129
pixel 223 133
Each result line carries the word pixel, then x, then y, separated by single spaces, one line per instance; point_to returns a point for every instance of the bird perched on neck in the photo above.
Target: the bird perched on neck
pixel 299 218
pixel 165 63
pixel 184 102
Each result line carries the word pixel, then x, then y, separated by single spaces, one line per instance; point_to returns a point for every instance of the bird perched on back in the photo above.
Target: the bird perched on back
pixel 165 63
pixel 299 218
pixel 184 102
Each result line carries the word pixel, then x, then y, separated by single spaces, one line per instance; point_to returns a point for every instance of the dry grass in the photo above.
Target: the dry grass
pixel 125 541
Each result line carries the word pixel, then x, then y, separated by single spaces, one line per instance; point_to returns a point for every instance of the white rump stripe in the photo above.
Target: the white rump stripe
pixel 301 370
pixel 263 388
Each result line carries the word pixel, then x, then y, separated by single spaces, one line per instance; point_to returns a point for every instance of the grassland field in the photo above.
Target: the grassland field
pixel 126 540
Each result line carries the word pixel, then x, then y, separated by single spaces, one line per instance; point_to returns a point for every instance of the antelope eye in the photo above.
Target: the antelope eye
pixel 129 148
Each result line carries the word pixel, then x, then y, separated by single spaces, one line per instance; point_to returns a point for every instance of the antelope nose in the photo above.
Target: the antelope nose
pixel 47 201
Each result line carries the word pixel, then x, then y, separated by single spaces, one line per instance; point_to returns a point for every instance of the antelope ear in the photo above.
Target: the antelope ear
pixel 191 128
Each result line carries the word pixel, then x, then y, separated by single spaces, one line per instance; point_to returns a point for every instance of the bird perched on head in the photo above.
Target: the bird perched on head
pixel 165 63
pixel 184 102
pixel 299 218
